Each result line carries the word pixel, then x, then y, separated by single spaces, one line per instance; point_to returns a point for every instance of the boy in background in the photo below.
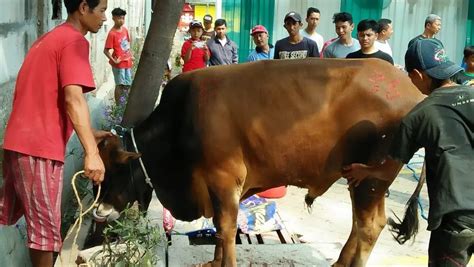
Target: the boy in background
pixel 194 51
pixel 208 29
pixel 467 76
pixel 118 40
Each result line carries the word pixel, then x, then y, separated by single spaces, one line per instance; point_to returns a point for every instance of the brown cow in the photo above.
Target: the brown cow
pixel 224 133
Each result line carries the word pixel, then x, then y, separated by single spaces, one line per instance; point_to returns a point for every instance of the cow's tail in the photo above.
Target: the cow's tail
pixel 404 230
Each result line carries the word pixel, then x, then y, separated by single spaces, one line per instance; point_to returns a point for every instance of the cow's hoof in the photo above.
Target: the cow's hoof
pixel 209 264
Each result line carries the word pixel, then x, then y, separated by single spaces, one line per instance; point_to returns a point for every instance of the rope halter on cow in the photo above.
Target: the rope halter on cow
pixel 120 131
pixel 147 178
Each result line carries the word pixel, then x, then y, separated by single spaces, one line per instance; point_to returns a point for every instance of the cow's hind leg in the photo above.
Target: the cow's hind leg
pixel 368 214
pixel 349 249
pixel 369 208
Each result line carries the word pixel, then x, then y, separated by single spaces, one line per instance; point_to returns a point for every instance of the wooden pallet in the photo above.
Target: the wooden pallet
pixel 275 248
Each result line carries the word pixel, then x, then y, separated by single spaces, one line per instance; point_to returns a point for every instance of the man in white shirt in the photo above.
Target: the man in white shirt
pixel 385 32
pixel 312 19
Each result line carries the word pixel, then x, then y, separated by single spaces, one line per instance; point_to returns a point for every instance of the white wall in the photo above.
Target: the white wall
pixel 408 22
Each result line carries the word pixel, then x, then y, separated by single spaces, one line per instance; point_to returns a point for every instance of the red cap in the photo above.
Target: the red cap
pixel 258 29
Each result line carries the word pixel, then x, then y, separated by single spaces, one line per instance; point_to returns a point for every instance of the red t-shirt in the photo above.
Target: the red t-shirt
pixel 38 125
pixel 119 41
pixel 197 57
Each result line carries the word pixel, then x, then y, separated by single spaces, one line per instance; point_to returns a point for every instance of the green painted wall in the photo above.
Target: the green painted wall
pixel 241 16
pixel 362 9
pixel 470 24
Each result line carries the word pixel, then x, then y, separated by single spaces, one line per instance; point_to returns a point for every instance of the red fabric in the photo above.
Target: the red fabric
pixel 197 57
pixel 38 124
pixel 326 44
pixel 119 41
pixel 168 221
pixel 32 187
pixel 276 192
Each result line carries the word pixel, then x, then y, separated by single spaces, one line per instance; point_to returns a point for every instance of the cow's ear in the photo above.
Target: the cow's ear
pixel 124 156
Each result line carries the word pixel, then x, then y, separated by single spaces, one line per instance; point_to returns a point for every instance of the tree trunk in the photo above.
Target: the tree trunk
pixel 153 60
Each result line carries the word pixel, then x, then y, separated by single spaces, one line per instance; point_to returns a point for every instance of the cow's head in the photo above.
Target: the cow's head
pixel 183 195
pixel 119 188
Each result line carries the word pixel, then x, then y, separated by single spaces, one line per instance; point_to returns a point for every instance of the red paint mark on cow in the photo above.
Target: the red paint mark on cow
pixel 392 91
pixel 379 83
pixel 376 81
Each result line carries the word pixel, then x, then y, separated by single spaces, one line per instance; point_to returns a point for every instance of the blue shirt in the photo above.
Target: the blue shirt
pixel 258 54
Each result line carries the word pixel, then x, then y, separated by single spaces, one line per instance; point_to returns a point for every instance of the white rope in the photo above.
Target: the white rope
pixel 81 213
pixel 147 178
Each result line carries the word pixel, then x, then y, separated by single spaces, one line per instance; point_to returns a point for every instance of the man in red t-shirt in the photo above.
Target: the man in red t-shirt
pixel 194 51
pixel 48 104
pixel 121 59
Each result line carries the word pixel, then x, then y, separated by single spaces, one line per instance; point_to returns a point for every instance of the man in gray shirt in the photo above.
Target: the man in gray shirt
pixel 345 44
pixel 432 27
pixel 223 50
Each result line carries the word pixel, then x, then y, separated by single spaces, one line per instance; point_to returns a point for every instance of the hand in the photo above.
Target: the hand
pixel 355 173
pixel 94 168
pixel 117 60
pixel 100 135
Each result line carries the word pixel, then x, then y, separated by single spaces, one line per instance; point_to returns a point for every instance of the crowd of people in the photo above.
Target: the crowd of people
pixel 213 46
pixel 49 104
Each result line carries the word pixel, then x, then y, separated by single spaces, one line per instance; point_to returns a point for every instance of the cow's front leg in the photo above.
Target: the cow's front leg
pixel 225 220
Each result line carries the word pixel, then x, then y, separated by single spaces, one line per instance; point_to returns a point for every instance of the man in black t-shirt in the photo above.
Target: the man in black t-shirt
pixel 443 123
pixel 295 46
pixel 367 33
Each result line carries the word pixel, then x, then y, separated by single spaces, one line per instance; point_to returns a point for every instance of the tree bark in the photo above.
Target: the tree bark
pixel 153 60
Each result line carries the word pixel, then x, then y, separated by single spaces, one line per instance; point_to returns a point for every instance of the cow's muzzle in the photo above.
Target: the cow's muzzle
pixel 105 212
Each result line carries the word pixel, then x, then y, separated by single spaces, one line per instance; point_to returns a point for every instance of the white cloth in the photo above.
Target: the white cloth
pixel 383 46
pixel 318 38
pixel 222 41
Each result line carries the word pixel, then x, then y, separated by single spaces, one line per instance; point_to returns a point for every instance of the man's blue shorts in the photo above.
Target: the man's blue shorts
pixel 122 76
